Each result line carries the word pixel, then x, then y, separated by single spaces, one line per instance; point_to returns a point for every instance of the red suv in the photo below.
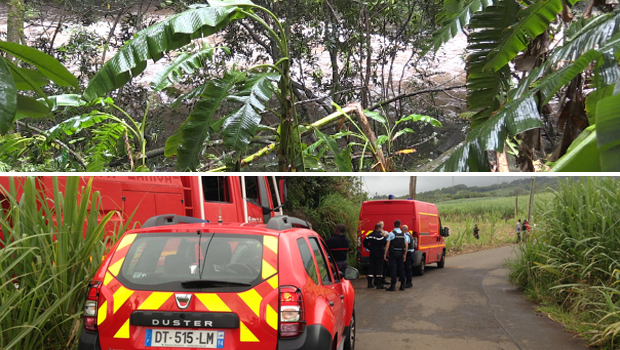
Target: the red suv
pixel 174 284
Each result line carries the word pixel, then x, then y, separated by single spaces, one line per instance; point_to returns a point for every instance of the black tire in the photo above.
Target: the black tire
pixel 441 263
pixel 349 341
pixel 419 270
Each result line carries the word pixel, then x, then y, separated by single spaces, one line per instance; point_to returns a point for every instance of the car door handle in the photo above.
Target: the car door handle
pixel 331 303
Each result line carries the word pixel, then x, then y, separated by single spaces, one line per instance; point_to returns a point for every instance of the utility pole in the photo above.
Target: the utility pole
pixel 529 213
pixel 412 186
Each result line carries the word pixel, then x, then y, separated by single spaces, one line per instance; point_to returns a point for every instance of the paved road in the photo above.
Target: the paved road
pixel 469 304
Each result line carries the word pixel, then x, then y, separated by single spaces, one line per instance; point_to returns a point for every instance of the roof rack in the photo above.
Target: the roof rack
pixel 171 219
pixel 285 222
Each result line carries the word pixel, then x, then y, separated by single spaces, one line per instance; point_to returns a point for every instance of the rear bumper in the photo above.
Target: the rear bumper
pixel 89 340
pixel 314 337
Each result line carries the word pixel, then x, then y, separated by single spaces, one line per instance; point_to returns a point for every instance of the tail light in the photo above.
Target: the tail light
pixel 292 318
pixel 91 306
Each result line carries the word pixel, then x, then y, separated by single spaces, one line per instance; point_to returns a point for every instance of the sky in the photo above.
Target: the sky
pixel 399 185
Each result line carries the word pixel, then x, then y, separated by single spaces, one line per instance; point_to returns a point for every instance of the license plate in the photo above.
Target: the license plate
pixel 184 338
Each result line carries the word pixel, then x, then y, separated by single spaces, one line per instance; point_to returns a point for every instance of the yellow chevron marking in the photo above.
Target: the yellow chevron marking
pixel 268 270
pixel 102 313
pixel 213 302
pixel 252 299
pixel 120 297
pixel 154 301
pixel 123 332
pixel 246 335
pixel 271 243
pixel 273 282
pixel 429 214
pixel 127 240
pixel 116 268
pixel 272 317
pixel 367 233
pixel 107 279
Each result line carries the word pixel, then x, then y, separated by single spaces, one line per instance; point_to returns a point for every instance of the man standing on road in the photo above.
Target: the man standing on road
pixel 397 246
pixel 375 243
pixel 339 245
pixel 518 229
pixel 409 259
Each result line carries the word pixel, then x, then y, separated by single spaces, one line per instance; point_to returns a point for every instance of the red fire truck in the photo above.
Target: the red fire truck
pixel 423 221
pixel 215 198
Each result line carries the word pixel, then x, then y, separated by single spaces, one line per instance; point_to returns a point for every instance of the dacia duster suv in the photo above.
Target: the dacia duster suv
pixel 174 284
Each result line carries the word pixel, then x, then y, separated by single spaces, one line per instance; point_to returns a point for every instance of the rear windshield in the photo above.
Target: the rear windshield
pixel 162 261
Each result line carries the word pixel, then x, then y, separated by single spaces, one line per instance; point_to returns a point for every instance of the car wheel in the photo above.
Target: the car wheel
pixel 441 263
pixel 349 342
pixel 419 270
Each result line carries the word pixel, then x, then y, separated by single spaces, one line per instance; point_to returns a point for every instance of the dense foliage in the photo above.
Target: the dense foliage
pixel 51 249
pixel 572 262
pixel 326 201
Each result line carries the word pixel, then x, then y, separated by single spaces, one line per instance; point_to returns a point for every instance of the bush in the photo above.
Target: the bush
pixel 51 250
pixel 572 262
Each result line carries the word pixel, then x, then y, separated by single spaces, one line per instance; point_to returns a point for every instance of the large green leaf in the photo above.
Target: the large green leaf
pixel 608 132
pixel 582 155
pixel 28 107
pixel 34 77
pixel 455 16
pixel 486 91
pixel 188 139
pixel 533 21
pixel 185 63
pixel 342 159
pixel 520 113
pixel 151 43
pixel 46 64
pixel 240 127
pixel 76 124
pixel 8 98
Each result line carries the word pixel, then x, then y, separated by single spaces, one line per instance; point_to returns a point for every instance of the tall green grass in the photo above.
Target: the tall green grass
pixel 51 250
pixel 572 261
pixel 462 232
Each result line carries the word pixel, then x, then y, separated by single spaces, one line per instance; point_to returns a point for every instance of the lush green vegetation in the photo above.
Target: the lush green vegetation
pixel 571 264
pixel 268 102
pixel 50 252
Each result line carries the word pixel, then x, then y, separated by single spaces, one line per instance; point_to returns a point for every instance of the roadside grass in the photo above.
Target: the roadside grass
pixel 51 248
pixel 571 264
pixel 480 208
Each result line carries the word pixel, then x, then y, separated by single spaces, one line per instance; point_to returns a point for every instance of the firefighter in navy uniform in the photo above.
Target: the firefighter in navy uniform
pixel 375 243
pixel 409 260
pixel 397 245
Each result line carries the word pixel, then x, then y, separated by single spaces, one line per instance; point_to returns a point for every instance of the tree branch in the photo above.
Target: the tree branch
pixel 410 94
pixel 58 142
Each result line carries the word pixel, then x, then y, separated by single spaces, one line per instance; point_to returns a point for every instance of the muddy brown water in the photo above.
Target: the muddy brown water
pixel 446 69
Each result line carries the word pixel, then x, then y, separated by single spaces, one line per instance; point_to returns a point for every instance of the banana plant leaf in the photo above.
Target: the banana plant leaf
pixel 28 107
pixel 188 139
pixel 582 155
pixel 240 127
pixel 187 63
pixel 46 64
pixel 532 21
pixel 34 77
pixel 454 17
pixel 608 132
pixel 8 98
pixel 151 43
pixel 342 159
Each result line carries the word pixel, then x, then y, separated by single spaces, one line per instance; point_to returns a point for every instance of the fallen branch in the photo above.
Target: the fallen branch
pixel 410 94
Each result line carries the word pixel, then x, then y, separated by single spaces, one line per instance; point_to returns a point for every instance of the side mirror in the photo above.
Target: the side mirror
pixel 351 273
pixel 445 232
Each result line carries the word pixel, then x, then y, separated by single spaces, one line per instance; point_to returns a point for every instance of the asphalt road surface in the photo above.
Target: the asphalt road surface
pixel 469 304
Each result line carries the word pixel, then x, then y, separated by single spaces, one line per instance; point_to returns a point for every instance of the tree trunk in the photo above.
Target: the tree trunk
pixel 15 22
